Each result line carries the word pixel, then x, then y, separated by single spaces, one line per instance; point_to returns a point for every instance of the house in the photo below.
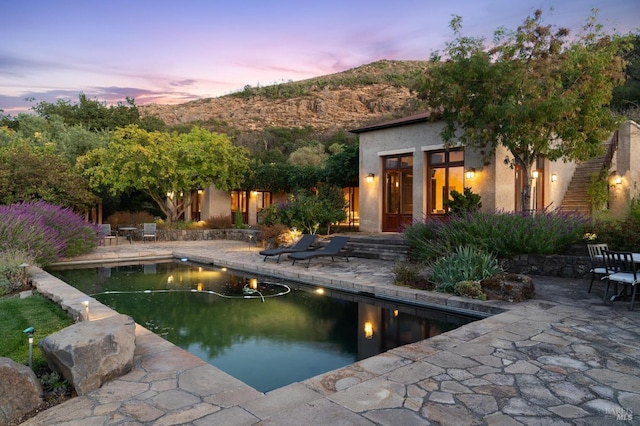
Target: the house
pixel 406 174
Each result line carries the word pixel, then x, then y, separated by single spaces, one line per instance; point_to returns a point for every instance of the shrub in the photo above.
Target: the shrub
pixel 472 289
pixel 619 234
pixel 12 276
pixel 309 212
pixel 463 203
pixel 409 274
pixel 129 218
pixel 274 233
pixel 45 232
pixel 466 263
pixel 80 237
pixel 505 234
pixel 218 222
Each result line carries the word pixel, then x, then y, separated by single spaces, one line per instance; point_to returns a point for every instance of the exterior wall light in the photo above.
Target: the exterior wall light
pixel 369 178
pixel 554 177
pixel 471 173
pixel 618 180
pixel 368 330
pixel 535 174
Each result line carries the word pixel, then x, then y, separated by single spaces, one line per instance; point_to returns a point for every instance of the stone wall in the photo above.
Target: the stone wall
pixel 565 266
pixel 247 235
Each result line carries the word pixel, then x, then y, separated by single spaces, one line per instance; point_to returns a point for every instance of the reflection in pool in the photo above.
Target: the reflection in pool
pixel 264 332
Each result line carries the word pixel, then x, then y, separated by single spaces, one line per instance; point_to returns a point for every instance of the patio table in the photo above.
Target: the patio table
pixel 128 231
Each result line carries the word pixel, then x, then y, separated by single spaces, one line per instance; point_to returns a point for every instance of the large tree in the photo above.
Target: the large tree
pixel 96 115
pixel 536 91
pixel 30 172
pixel 166 166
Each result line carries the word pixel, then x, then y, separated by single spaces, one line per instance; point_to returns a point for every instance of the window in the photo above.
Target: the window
pixel 263 200
pixel 239 203
pixel 446 174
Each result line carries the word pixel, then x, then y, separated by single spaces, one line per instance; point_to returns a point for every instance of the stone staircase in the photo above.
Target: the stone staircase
pixel 576 199
pixel 379 246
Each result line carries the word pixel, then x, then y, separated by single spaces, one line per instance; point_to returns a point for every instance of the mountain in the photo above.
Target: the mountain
pixel 342 101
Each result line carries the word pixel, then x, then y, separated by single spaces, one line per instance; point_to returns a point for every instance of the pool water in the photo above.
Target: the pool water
pixel 266 332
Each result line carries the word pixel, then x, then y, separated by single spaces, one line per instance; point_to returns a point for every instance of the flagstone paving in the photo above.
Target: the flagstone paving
pixel 562 358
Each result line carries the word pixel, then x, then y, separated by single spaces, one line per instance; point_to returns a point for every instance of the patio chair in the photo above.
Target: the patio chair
pixel 621 269
pixel 597 261
pixel 149 231
pixel 303 244
pixel 333 249
pixel 107 234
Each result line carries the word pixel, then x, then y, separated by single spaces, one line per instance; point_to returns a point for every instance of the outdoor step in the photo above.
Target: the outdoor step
pixel 385 247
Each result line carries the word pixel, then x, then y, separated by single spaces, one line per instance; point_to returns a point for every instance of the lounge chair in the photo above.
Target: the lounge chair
pixel 334 248
pixel 303 244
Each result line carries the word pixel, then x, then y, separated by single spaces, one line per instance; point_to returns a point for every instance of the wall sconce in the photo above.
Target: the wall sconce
pixel 554 177
pixel 471 173
pixel 368 330
pixel 369 178
pixel 535 174
pixel 618 180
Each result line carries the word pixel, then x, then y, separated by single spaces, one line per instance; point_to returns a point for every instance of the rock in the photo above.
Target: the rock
pixel 20 390
pixel 91 353
pixel 508 287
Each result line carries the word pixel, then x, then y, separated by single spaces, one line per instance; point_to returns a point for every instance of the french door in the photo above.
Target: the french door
pixel 398 192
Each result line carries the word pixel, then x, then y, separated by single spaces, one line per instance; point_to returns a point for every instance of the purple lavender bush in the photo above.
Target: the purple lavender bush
pixel 45 231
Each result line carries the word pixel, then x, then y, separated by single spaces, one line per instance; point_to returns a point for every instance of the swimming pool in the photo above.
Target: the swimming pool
pixel 267 333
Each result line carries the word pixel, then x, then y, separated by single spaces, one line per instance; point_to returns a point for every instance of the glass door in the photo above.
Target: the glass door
pixel 398 193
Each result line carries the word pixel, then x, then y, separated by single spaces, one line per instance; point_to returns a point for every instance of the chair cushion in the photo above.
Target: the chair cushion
pixel 598 270
pixel 623 277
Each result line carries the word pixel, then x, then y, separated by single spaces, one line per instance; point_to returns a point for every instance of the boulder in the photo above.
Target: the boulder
pixel 20 390
pixel 90 353
pixel 508 287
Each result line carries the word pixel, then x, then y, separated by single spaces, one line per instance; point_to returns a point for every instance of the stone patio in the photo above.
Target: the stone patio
pixel 562 358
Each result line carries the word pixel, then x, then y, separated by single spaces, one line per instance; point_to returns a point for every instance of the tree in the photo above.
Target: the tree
pixel 626 99
pixel 342 167
pixel 96 115
pixel 166 166
pixel 28 173
pixel 535 91
pixel 310 155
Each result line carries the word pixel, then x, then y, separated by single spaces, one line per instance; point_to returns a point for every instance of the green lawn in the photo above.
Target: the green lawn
pixel 16 315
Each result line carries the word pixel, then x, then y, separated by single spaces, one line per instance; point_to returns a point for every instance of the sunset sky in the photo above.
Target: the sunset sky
pixel 160 51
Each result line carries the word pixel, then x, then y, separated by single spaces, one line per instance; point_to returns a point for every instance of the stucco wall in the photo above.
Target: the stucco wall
pixel 412 138
pixel 215 203
pixel 626 164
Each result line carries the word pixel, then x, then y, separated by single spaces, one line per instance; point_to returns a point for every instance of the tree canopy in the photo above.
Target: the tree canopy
pixel 96 115
pixel 536 91
pixel 31 172
pixel 166 166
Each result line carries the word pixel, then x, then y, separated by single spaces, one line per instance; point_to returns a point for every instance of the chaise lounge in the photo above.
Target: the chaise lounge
pixel 334 248
pixel 303 244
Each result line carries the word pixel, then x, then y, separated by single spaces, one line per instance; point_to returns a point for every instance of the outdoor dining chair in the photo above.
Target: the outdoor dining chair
pixel 597 261
pixel 106 234
pixel 621 269
pixel 149 231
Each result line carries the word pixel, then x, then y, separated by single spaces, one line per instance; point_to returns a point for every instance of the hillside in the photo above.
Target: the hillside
pixel 340 101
